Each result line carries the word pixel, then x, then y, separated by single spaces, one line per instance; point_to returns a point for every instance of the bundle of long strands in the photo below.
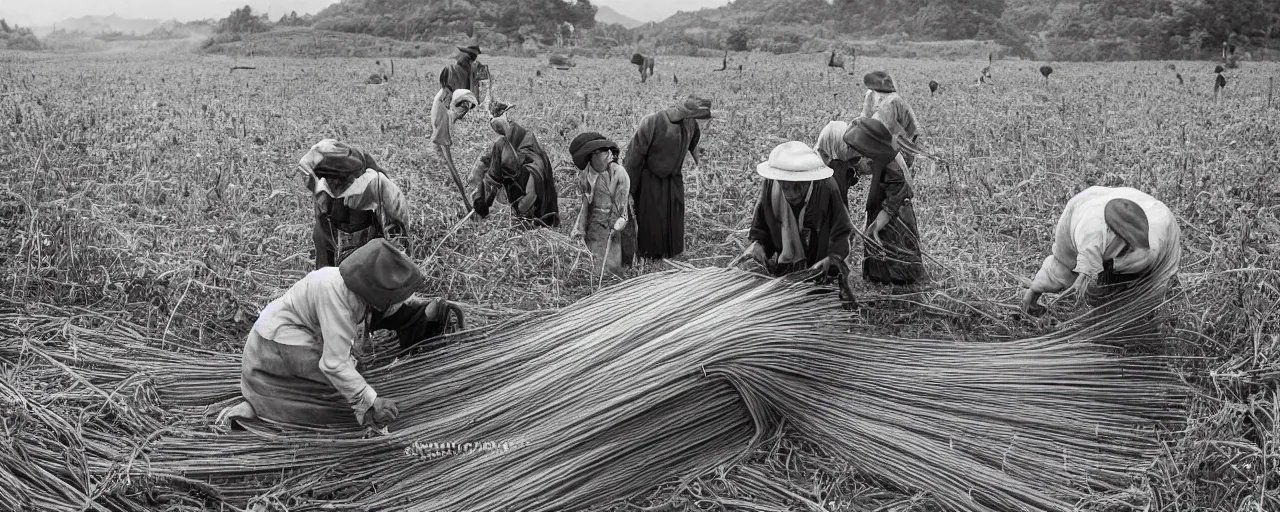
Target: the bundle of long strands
pixel 671 375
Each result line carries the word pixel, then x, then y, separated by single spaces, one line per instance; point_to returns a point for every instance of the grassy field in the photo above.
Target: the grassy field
pixel 161 191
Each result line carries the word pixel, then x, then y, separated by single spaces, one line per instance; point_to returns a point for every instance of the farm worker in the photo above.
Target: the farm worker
pixel 1113 238
pixel 443 115
pixel 839 157
pixel 883 103
pixel 645 64
pixel 892 255
pixel 604 219
pixel 655 159
pixel 800 221
pixel 298 366
pixel 355 202
pixel 516 164
pixel 465 73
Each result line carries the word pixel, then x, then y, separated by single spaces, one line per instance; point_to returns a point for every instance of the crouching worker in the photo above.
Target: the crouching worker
pixel 298 364
pixel 355 202
pixel 517 165
pixel 1108 240
pixel 604 221
pixel 800 221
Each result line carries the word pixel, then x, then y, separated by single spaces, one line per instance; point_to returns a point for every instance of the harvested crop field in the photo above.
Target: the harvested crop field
pixel 151 206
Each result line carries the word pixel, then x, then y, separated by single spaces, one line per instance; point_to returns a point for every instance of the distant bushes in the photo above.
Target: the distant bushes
pixel 17 38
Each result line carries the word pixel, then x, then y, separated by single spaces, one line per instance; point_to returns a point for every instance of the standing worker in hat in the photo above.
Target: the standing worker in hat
pixel 517 165
pixel 604 218
pixel 298 366
pixel 654 162
pixel 355 202
pixel 800 221
pixel 461 89
pixel 883 103
pixel 892 255
pixel 1107 240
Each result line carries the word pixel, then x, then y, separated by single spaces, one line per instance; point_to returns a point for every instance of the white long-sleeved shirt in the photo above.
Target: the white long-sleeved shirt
pixel 320 309
pixel 1082 235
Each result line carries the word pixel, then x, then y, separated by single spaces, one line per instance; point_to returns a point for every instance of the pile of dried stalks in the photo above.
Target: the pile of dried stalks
pixel 664 377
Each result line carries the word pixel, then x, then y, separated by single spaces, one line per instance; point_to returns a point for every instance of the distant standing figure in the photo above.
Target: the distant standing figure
pixel 1107 240
pixel 604 219
pixel 895 256
pixel 883 103
pixel 355 202
pixel 517 165
pixel 465 73
pixel 645 64
pixel 654 162
pixel 841 158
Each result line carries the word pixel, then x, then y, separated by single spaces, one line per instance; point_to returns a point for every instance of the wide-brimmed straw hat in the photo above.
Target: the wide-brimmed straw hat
pixel 794 161
pixel 380 274
pixel 879 81
pixel 1129 221
pixel 587 143
pixel 692 107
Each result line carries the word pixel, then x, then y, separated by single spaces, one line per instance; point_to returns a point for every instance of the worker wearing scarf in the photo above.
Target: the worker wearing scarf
pixel 298 366
pixel 883 103
pixel 355 202
pixel 839 157
pixel 603 221
pixel 654 162
pixel 517 164
pixel 1107 240
pixel 799 221
pixel 893 254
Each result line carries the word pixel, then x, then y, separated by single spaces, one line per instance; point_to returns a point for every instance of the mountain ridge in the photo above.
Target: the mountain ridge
pixel 606 14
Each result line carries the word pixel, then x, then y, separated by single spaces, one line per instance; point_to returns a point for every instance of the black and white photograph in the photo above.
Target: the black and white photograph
pixel 640 255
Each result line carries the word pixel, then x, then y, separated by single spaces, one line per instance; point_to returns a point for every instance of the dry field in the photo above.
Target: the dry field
pixel 156 196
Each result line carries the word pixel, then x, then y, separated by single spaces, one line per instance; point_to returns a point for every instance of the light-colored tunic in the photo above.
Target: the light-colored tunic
pixel 322 318
pixel 1082 235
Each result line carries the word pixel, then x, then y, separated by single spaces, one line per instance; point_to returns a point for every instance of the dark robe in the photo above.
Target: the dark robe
pixel 846 176
pixel 334 222
pixel 531 164
pixel 824 230
pixel 900 261
pixel 654 161
pixel 459 76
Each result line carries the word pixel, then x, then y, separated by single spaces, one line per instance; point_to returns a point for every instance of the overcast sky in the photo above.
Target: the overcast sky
pixel 47 12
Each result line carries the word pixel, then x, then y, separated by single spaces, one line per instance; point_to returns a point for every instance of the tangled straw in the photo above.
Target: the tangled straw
pixel 667 377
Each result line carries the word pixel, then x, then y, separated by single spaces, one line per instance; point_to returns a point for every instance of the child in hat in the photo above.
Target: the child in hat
pixel 604 220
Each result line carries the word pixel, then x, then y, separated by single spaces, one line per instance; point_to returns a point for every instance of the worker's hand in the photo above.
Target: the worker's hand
pixel 1081 287
pixel 881 221
pixel 578 234
pixel 755 251
pixel 1030 303
pixel 481 209
pixel 383 412
pixel 825 266
pixel 620 224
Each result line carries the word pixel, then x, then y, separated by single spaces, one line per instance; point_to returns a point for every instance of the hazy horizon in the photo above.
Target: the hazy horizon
pixel 48 12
